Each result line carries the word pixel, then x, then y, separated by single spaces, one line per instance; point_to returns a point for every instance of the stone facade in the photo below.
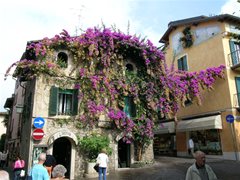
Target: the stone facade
pixel 64 127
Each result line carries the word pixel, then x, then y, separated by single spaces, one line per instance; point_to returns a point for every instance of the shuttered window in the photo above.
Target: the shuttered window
pixel 63 101
pixel 235 52
pixel 182 63
pixel 237 80
pixel 129 107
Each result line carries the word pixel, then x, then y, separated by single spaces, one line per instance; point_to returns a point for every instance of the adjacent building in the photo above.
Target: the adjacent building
pixel 191 45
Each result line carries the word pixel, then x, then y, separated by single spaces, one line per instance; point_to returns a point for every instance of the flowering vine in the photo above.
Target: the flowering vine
pixel 100 75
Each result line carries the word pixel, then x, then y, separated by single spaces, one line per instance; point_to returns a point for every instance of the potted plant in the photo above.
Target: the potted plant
pixel 91 145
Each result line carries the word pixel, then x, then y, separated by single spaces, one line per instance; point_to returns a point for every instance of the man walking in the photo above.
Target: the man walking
pixel 200 170
pixel 39 172
pixel 191 146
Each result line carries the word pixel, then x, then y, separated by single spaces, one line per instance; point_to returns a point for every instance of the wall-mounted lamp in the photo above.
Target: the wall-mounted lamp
pixel 19 108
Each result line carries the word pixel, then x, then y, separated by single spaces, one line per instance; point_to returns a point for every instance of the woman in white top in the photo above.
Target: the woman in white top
pixel 102 160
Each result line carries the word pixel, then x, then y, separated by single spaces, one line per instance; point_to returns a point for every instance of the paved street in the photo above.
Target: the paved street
pixel 172 168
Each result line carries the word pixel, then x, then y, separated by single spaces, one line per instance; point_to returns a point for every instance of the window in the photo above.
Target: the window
pixel 237 80
pixel 182 63
pixel 208 141
pixel 63 101
pixel 235 52
pixel 129 106
pixel 62 59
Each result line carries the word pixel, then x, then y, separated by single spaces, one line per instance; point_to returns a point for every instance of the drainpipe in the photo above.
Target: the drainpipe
pixel 234 140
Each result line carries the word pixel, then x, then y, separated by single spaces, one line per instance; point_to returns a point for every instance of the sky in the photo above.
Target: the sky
pixel 27 20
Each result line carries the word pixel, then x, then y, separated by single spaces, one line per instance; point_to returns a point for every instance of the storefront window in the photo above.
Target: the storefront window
pixel 164 144
pixel 207 141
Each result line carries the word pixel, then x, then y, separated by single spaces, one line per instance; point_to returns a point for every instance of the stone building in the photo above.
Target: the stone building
pixel 46 108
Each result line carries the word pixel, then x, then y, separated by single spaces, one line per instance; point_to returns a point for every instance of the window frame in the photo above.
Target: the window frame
pixel 54 101
pixel 182 63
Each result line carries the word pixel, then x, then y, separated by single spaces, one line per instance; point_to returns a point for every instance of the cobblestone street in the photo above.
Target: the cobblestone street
pixel 172 168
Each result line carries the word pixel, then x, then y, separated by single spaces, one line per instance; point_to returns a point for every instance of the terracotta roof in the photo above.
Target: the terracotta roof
pixel 196 20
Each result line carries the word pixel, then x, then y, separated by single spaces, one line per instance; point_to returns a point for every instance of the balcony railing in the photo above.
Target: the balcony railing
pixel 234 59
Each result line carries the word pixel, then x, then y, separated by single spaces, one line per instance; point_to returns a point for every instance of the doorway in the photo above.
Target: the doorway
pixel 62 153
pixel 124 154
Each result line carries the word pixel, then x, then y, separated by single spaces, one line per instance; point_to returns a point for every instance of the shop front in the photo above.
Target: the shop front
pixel 165 139
pixel 205 133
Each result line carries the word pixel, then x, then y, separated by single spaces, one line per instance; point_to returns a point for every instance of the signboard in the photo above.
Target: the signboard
pixel 38 134
pixel 230 118
pixel 38 122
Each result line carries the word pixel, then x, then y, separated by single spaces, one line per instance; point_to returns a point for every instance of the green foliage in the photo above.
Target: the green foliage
pixel 187 39
pixel 91 145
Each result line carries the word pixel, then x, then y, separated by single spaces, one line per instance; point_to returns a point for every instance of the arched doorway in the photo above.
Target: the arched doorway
pixel 62 152
pixel 124 154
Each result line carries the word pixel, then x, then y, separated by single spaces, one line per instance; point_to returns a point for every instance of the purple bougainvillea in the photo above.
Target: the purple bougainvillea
pixel 99 57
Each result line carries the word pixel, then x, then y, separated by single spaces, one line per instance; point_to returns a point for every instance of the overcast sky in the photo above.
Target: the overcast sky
pixel 25 20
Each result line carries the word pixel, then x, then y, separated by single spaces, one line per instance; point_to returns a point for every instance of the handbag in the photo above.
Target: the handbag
pixel 22 173
pixel 96 167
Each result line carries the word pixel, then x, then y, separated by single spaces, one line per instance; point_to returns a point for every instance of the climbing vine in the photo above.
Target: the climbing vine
pixel 99 73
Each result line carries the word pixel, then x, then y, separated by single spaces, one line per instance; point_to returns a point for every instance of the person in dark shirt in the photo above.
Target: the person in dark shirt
pixel 49 163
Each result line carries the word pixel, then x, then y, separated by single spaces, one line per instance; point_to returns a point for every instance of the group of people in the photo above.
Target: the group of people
pixel 45 169
pixel 198 171
pixel 40 172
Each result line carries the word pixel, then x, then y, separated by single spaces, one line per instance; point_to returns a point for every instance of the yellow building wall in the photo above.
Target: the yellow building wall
pixel 212 52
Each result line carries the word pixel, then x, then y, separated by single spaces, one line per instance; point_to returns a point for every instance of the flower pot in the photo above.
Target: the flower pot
pixel 90 171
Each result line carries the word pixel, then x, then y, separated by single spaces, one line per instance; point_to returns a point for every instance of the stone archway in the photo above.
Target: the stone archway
pixel 127 150
pixel 66 136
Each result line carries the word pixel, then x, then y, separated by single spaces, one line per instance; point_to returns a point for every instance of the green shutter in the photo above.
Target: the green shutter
pixel 179 64
pixel 75 102
pixel 129 107
pixel 126 106
pixel 185 67
pixel 53 101
pixel 237 80
pixel 233 52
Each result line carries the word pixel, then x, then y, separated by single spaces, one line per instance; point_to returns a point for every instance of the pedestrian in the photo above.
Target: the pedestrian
pixel 4 175
pixel 58 172
pixel 3 158
pixel 200 170
pixel 18 166
pixel 191 147
pixel 49 163
pixel 102 160
pixel 39 172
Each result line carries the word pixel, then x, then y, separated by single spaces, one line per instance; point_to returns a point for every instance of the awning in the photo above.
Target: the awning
pixel 210 122
pixel 165 128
